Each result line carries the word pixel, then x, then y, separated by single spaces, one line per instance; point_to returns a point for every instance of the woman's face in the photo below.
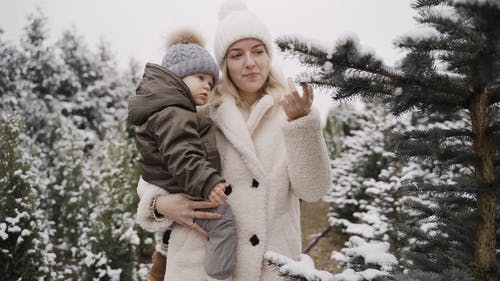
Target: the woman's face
pixel 248 65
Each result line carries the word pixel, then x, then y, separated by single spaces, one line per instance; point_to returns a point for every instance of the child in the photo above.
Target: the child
pixel 177 145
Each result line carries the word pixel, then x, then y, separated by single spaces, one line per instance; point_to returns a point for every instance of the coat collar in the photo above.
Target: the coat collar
pixel 257 113
pixel 228 118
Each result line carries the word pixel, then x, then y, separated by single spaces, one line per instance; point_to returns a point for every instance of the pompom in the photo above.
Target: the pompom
pixel 185 36
pixel 231 6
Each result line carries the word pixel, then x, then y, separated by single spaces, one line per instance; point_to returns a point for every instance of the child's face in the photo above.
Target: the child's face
pixel 200 85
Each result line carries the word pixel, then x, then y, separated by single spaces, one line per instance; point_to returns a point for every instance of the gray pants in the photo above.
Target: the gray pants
pixel 220 257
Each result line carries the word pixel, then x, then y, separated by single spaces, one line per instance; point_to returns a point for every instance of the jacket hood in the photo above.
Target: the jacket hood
pixel 159 88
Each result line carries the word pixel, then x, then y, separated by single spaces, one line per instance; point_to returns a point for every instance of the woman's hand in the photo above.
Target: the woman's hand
pixel 294 105
pixel 183 209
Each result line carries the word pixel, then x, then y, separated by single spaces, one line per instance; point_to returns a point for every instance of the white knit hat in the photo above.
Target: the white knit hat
pixel 236 22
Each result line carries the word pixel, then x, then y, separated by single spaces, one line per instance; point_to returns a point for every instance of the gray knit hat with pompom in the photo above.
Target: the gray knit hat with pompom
pixel 186 55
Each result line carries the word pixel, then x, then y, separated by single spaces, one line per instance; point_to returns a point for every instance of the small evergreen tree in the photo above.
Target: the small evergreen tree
pixel 8 59
pixel 366 198
pixel 23 242
pixel 38 70
pixel 73 101
pixel 451 70
pixel 110 240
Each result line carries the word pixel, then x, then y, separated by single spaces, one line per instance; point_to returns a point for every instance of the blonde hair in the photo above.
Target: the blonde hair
pixel 274 86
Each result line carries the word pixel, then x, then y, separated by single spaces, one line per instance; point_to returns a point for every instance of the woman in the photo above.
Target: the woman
pixel 272 152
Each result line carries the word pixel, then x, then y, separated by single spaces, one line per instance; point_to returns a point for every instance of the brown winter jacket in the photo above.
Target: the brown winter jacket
pixel 177 145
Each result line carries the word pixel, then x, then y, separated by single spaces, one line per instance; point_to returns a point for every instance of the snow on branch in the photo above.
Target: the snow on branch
pixel 420 34
pixel 373 253
pixel 362 50
pixel 445 12
pixel 351 275
pixel 353 228
pixel 301 269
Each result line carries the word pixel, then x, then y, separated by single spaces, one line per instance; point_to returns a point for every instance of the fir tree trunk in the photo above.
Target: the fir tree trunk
pixel 484 146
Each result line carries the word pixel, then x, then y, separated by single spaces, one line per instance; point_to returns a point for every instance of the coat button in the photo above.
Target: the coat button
pixel 255 183
pixel 228 190
pixel 254 240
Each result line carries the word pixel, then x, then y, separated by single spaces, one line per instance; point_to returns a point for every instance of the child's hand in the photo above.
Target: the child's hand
pixel 217 194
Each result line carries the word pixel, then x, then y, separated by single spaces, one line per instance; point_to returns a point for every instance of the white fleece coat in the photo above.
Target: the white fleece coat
pixel 270 164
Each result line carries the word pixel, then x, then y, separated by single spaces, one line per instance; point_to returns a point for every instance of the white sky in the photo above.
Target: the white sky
pixel 138 28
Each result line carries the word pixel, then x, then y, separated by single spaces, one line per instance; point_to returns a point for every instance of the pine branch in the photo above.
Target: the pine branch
pixel 452 212
pixel 424 210
pixel 464 184
pixel 454 30
pixel 477 8
pixel 434 83
pixel 301 270
pixel 308 53
pixel 446 154
pixel 445 84
pixel 422 80
pixel 425 101
pixel 435 253
pixel 456 200
pixel 425 3
pixel 363 87
pixel 346 55
pixel 346 58
pixel 317 238
pixel 436 45
pixel 445 275
pixel 436 135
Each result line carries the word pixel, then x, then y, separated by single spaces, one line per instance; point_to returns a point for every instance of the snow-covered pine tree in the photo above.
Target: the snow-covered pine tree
pixel 24 252
pixel 8 59
pixel 451 69
pixel 109 242
pixel 44 100
pixel 366 199
pixel 361 158
pixel 98 176
pixel 72 101
pixel 37 68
